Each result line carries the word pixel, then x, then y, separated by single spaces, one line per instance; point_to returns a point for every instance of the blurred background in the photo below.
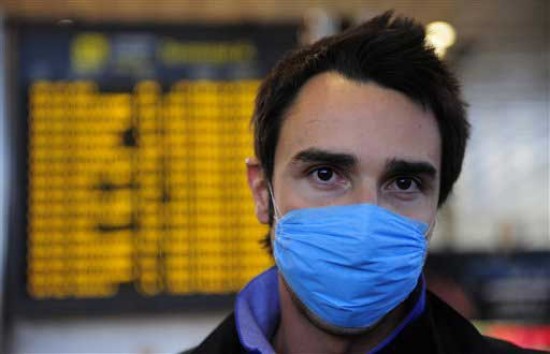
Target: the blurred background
pixel 125 222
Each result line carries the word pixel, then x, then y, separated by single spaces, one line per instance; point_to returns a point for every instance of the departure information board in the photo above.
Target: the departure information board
pixel 135 183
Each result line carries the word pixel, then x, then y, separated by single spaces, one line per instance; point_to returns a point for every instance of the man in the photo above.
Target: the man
pixel 359 139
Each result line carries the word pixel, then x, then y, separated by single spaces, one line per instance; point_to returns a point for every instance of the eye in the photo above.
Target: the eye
pixel 405 184
pixel 324 174
pixel 327 178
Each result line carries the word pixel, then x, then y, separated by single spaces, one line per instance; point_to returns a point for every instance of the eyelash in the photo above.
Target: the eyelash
pixel 312 170
pixel 416 180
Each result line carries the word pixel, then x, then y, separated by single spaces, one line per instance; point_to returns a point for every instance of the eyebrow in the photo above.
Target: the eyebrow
pixel 395 167
pixel 315 155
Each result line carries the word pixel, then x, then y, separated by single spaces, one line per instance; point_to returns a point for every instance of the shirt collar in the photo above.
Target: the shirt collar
pixel 257 310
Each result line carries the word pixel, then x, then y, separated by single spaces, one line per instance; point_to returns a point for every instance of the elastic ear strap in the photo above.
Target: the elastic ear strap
pixel 278 214
pixel 431 226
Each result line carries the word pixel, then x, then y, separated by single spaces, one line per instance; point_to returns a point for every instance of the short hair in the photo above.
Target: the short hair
pixel 386 50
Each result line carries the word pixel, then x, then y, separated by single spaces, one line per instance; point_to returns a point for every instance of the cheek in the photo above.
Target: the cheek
pixel 288 200
pixel 291 193
pixel 422 210
pixel 297 193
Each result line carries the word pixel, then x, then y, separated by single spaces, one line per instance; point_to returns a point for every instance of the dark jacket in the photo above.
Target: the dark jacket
pixel 440 329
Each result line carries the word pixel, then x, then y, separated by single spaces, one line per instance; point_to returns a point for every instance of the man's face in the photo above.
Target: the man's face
pixel 344 142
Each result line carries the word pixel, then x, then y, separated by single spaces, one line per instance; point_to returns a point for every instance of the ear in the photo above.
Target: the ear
pixel 258 186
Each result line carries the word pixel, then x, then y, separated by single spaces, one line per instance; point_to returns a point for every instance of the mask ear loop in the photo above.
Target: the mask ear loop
pixel 277 214
pixel 431 227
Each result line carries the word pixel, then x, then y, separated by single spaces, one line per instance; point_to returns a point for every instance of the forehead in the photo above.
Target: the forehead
pixel 372 122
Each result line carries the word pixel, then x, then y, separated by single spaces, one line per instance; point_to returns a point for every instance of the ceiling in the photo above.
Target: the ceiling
pixel 174 11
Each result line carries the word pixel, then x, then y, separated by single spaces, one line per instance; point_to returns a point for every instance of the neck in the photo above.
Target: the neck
pixel 297 334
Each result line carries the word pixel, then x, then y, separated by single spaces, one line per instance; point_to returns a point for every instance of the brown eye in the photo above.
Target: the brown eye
pixel 324 174
pixel 327 179
pixel 403 183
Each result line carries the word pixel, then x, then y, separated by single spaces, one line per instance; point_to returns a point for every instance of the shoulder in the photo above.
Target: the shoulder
pixel 500 346
pixel 224 339
pixel 455 331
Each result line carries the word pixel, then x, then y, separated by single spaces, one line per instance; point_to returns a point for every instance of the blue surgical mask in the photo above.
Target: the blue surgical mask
pixel 349 265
